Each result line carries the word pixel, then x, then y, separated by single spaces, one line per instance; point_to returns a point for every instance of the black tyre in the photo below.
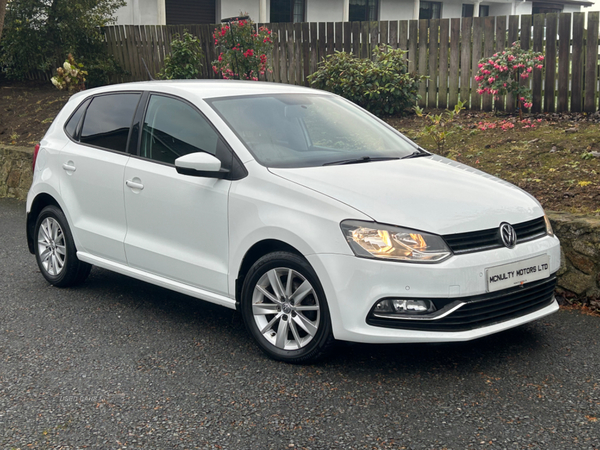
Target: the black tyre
pixel 55 250
pixel 284 308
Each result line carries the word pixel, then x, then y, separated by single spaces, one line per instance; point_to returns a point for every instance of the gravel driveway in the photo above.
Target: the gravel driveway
pixel 118 363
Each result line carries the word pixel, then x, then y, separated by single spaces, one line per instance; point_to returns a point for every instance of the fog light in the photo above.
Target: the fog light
pixel 403 306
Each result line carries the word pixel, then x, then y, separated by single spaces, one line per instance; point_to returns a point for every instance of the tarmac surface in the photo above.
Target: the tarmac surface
pixel 117 363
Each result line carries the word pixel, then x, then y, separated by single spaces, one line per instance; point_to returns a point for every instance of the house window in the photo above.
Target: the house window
pixel 430 10
pixel 546 8
pixel 364 10
pixel 183 11
pixel 467 10
pixel 287 11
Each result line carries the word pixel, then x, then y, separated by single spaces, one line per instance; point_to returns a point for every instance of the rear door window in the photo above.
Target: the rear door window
pixel 108 120
pixel 72 126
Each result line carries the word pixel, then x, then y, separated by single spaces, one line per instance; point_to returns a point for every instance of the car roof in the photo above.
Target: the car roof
pixel 204 88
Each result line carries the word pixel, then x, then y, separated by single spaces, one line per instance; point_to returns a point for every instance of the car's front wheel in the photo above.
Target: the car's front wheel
pixel 284 308
pixel 55 249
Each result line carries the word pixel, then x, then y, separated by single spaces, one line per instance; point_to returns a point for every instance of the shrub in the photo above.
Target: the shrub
pixel 38 34
pixel 383 86
pixel 70 76
pixel 242 50
pixel 441 125
pixel 185 60
pixel 500 74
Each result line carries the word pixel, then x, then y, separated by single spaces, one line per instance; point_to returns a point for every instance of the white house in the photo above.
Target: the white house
pixel 161 12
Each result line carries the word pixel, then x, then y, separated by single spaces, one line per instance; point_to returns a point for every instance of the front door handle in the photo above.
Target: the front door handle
pixel 135 184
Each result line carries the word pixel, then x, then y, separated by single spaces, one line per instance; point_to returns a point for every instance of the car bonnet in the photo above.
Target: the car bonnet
pixel 431 194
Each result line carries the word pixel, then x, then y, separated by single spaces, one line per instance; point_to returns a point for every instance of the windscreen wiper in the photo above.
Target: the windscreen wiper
pixel 364 159
pixel 417 153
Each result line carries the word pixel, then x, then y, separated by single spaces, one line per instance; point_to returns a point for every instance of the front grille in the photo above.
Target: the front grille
pixel 477 241
pixel 481 310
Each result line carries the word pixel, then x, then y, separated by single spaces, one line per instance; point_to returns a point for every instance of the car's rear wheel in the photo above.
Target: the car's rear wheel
pixel 55 250
pixel 284 308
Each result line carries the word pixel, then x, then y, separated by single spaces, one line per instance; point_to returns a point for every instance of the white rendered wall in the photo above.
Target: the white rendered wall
pixel 500 9
pixel 324 11
pixel 234 8
pixel 452 9
pixel 523 8
pixel 396 10
pixel 142 12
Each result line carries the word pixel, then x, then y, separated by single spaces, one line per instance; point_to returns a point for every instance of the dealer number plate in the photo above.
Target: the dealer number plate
pixel 517 273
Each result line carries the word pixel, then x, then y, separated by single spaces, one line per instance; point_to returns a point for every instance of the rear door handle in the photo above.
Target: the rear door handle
pixel 134 184
pixel 69 166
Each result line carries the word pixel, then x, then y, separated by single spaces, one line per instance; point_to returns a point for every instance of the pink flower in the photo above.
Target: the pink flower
pixel 529 69
pixel 491 80
pixel 480 65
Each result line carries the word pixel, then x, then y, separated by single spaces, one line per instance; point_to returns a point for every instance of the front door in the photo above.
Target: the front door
pixel 176 224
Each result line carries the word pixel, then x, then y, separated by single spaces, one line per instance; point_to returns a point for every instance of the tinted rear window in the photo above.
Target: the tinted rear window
pixel 108 120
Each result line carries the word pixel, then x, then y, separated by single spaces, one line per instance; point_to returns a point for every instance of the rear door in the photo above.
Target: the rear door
pixel 93 165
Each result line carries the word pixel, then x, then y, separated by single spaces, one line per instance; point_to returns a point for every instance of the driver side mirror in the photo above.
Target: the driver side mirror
pixel 200 164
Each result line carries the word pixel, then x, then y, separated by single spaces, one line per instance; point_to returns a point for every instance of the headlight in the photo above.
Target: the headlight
pixel 374 240
pixel 549 229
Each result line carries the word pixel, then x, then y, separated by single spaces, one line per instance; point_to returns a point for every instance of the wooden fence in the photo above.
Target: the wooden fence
pixel 446 50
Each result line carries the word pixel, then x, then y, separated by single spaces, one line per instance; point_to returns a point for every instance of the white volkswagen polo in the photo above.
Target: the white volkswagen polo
pixel 313 218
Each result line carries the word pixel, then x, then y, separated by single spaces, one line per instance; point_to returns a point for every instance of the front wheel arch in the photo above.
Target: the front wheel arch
pixel 253 254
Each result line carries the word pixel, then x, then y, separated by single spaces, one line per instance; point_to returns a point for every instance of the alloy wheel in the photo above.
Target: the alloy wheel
pixel 286 309
pixel 51 246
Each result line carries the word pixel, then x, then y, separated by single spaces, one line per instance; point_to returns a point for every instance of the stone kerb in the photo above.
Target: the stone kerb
pixel 579 234
pixel 580 241
pixel 15 171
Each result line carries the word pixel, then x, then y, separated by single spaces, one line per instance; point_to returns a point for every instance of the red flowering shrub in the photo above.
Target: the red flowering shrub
pixel 500 74
pixel 242 50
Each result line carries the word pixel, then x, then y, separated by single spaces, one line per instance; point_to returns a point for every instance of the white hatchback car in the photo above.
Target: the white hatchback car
pixel 313 218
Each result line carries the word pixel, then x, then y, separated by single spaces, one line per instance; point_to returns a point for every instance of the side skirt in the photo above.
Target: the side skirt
pixel 158 280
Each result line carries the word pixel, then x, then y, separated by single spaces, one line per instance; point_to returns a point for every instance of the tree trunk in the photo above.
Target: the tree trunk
pixel 2 14
pixel 52 27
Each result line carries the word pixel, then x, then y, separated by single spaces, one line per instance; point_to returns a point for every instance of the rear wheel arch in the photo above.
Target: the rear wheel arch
pixel 38 204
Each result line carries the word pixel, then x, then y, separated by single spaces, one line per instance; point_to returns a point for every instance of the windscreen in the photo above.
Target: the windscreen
pixel 299 130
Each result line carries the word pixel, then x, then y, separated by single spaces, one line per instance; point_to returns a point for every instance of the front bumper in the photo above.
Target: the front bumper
pixel 353 286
